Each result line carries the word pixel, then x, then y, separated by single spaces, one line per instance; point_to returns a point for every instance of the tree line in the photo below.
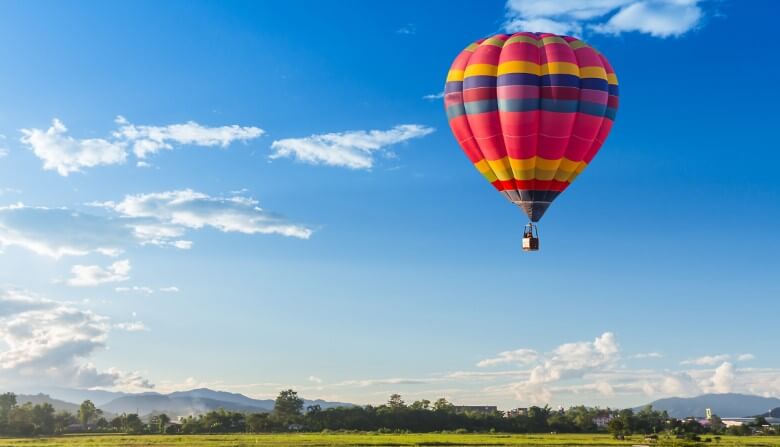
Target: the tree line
pixel 396 415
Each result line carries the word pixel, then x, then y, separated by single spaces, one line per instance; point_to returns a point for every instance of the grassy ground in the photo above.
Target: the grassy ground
pixel 359 439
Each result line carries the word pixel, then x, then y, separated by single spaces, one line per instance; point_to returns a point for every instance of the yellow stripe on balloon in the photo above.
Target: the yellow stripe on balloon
pixel 534 168
pixel 577 171
pixel 593 72
pixel 568 165
pixel 455 75
pixel 560 68
pixel 523 164
pixel 544 174
pixel 493 41
pixel 523 39
pixel 566 168
pixel 612 78
pixel 577 44
pixel 519 67
pixel 502 169
pixel 484 168
pixel 554 39
pixel 480 70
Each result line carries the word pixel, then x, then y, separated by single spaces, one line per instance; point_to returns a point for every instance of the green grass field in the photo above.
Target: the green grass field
pixel 360 439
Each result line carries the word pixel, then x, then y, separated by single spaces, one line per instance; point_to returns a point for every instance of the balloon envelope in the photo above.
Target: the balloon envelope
pixel 531 110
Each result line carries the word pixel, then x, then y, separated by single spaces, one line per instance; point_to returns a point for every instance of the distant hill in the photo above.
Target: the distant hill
pixel 181 405
pixel 37 399
pixel 223 396
pixel 98 397
pixel 724 405
pixel 774 413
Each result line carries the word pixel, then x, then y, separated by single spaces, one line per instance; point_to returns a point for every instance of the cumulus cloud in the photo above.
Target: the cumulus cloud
pixel 147 140
pixel 167 215
pixel 723 379
pixel 94 275
pixel 659 18
pixel 47 340
pixel 746 357
pixel 353 149
pixel 569 361
pixel 65 154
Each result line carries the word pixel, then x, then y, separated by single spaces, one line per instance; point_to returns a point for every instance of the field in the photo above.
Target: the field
pixel 359 439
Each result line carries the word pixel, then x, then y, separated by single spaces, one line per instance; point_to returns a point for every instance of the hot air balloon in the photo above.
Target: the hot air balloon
pixel 531 110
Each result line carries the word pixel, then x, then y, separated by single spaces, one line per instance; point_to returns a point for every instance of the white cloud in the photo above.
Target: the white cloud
pixel 353 149
pixel 647 355
pixel 569 361
pixel 407 29
pixel 160 219
pixel 58 232
pixel 4 191
pixel 93 275
pixel 434 96
pixel 45 341
pixel 145 290
pixel 518 356
pixel 132 326
pixel 707 360
pixel 171 213
pixel 315 379
pixel 147 140
pixel 746 357
pixel 723 379
pixel 65 154
pixel 659 18
pixel 135 289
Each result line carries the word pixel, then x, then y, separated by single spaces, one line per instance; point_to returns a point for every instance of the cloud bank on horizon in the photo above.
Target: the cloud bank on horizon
pixel 658 18
pixel 59 352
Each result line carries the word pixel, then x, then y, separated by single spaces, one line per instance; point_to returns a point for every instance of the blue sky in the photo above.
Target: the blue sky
pixel 257 195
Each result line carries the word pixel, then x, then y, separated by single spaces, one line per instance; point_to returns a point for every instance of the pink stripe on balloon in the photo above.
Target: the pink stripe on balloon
pixel 518 92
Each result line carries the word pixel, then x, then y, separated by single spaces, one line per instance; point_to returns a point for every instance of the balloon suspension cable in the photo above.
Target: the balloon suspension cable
pixel 531 237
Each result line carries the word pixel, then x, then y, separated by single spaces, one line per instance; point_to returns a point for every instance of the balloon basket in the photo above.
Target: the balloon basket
pixel 531 237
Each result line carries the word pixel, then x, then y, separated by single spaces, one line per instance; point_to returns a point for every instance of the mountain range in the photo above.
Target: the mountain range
pixel 728 405
pixel 201 400
pixel 179 403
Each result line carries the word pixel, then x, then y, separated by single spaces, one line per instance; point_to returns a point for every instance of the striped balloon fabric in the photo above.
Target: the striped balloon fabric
pixel 531 110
